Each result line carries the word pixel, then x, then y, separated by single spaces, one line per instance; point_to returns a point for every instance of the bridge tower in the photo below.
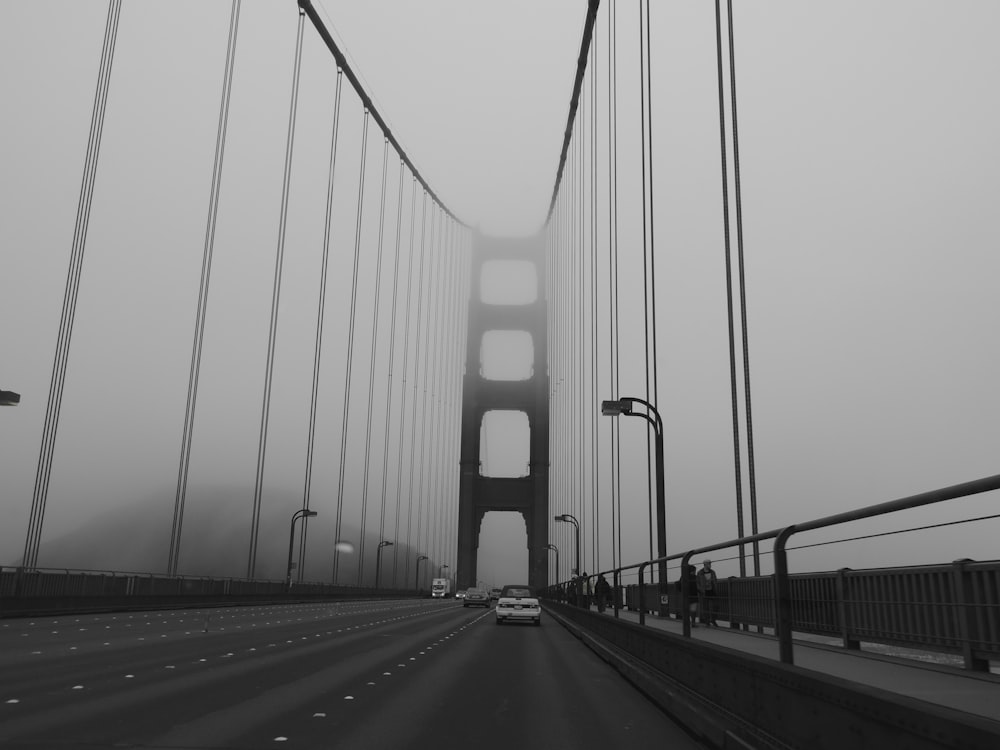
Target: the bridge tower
pixel 528 495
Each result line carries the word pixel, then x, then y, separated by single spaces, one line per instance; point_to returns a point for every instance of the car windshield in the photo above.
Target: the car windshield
pixel 475 592
pixel 516 592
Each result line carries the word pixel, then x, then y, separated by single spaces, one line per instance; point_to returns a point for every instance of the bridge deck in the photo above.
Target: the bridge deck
pixel 972 692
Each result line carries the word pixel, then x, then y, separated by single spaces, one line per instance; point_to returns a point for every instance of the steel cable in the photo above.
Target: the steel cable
pixel 729 290
pixel 349 365
pixel 275 302
pixel 743 296
pixel 388 378
pixel 320 319
pixel 402 387
pixel 57 381
pixel 645 267
pixel 203 289
pixel 371 368
pixel 416 369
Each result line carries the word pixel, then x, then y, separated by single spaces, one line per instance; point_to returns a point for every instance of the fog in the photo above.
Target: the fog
pixel 867 161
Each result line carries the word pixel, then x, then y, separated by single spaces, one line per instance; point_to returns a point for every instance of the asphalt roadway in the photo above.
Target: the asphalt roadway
pixel 386 674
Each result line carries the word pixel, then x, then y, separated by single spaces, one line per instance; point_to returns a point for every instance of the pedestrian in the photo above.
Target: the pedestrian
pixel 707 591
pixel 603 591
pixel 585 590
pixel 688 583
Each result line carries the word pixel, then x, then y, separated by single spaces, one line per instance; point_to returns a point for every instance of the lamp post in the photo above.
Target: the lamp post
pixel 570 519
pixel 441 573
pixel 378 560
pixel 555 549
pixel 623 406
pixel 303 513
pixel 416 582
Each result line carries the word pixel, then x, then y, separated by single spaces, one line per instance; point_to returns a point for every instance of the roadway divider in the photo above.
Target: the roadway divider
pixel 40 592
pixel 734 700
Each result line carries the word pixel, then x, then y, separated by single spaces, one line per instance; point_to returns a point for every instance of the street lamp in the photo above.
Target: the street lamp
pixel 9 398
pixel 378 560
pixel 555 549
pixel 623 406
pixel 303 513
pixel 416 581
pixel 441 572
pixel 570 519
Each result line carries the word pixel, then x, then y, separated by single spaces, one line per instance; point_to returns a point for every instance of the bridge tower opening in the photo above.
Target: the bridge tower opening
pixel 513 308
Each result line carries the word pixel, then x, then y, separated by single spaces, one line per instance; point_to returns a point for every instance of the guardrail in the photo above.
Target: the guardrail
pixel 46 589
pixel 947 608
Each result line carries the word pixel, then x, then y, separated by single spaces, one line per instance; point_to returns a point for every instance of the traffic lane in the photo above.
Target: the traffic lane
pixel 29 647
pixel 485 685
pixel 30 667
pixel 21 636
pixel 175 683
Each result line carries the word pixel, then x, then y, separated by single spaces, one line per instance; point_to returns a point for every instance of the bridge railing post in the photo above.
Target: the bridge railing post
pixel 783 596
pixel 642 593
pixel 845 610
pixel 965 613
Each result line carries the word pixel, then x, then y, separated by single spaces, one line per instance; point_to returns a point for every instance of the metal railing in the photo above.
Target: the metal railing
pixel 20 587
pixel 949 608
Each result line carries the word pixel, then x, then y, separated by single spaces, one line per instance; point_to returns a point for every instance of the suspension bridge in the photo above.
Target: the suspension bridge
pixel 274 363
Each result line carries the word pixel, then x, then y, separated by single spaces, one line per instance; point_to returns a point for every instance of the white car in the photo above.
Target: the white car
pixel 518 603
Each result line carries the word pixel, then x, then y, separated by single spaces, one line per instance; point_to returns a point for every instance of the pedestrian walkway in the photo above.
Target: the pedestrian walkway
pixel 971 692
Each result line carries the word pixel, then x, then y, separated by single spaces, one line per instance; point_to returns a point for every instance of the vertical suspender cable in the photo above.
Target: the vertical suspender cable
pixel 729 290
pixel 402 387
pixel 652 210
pixel 416 372
pixel 348 369
pixel 371 369
pixel 206 273
pixel 388 381
pixel 645 267
pixel 57 382
pixel 614 427
pixel 438 425
pixel 455 397
pixel 423 521
pixel 595 474
pixel 275 301
pixel 320 317
pixel 430 354
pixel 743 297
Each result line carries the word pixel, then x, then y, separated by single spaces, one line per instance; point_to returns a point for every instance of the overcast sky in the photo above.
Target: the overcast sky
pixel 868 165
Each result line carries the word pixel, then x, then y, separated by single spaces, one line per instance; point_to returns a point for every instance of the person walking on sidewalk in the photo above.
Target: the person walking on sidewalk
pixel 602 590
pixel 706 594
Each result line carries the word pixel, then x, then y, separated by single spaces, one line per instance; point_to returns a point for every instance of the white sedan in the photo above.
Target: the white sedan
pixel 518 603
